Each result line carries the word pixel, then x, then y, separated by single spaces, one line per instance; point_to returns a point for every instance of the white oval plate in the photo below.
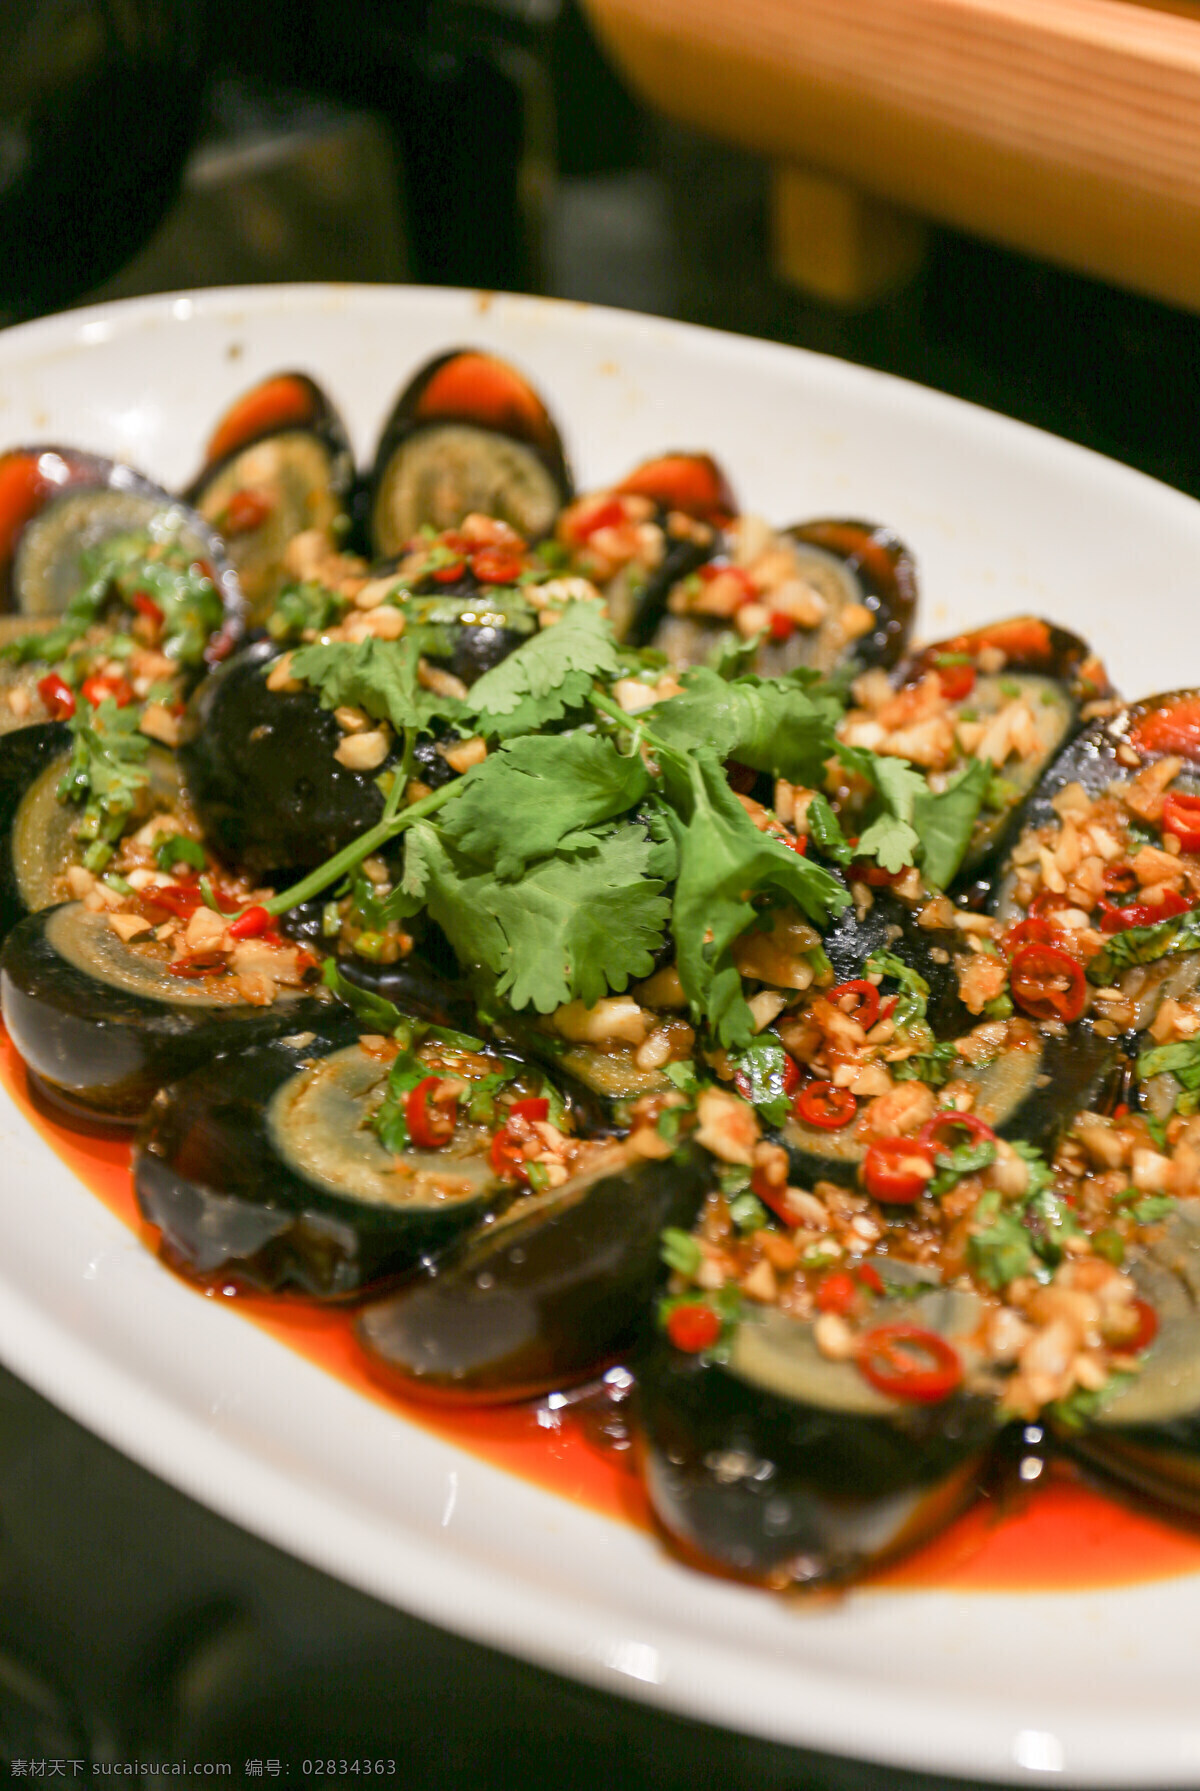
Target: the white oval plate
pixel 1094 1688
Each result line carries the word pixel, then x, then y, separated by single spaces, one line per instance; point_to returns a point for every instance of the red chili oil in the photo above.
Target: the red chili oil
pixel 1057 1534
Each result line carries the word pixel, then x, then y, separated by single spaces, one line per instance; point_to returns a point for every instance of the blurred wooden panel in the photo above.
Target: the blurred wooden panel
pixel 1066 128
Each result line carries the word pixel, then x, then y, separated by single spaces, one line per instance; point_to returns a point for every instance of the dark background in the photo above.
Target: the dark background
pixel 149 145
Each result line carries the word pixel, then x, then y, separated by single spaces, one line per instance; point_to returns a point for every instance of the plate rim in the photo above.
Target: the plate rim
pixel 64 1367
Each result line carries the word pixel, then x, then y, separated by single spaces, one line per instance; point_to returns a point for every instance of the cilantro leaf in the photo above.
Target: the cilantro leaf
pixel 944 822
pixel 999 1246
pixel 177 848
pixel 916 825
pixel 373 1010
pixel 107 772
pixel 1181 1060
pixel 964 1159
pixel 1144 945
pixel 376 675
pixel 935 1066
pixel 1051 1222
pixel 722 857
pixel 1153 1207
pixel 680 1250
pixel 303 607
pixel 1080 1407
pixel 577 924
pixel 548 674
pixel 825 830
pixel 523 801
pixel 663 827
pixel 890 841
pixel 760 1072
pixel 898 784
pixel 914 990
pixel 769 724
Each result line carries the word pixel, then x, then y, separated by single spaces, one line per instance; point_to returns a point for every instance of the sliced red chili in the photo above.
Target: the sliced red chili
pixel 1047 903
pixel 178 900
pixel 939 1131
pixel 781 627
pixel 507 1155
pixel 897 1170
pixel 495 566
pixel 1047 983
pixel 430 1122
pixel 251 924
pixel 788 1085
pixel 1033 930
pixel 1140 914
pixel 908 1362
pixel 181 900
pixel 1120 879
pixel 1181 816
pixel 836 1292
pixel 748 591
pixel 96 688
pixel 449 575
pixel 246 511
pixel 203 963
pixel 607 515
pixel 1147 1329
pixel 957 681
pixel 865 870
pixel 775 1196
pixel 693 1328
pixel 144 604
pixel 821 1104
pixel 866 1001
pixel 58 697
pixel 537 1107
pixel 868 1276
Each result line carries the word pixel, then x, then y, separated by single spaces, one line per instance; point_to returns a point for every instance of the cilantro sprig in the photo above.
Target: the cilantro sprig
pixel 1025 1237
pixel 107 773
pixel 915 825
pixel 1145 945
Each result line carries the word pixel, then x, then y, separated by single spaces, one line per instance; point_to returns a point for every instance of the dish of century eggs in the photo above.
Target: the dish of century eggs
pixel 580 929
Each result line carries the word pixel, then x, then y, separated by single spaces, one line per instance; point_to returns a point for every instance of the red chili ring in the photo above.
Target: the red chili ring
pixel 821 1104
pixel 1147 1329
pixel 1033 930
pixel 866 1008
pixel 889 1358
pixel 429 1126
pixel 929 1133
pixel 1047 983
pixel 693 1328
pixel 885 1176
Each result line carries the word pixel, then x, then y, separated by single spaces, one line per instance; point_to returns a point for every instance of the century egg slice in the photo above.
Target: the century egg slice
pixel 60 508
pixel 467 434
pixel 103 1024
pixel 265 1166
pixel 548 1294
pixel 820 594
pixel 278 464
pixel 770 1461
